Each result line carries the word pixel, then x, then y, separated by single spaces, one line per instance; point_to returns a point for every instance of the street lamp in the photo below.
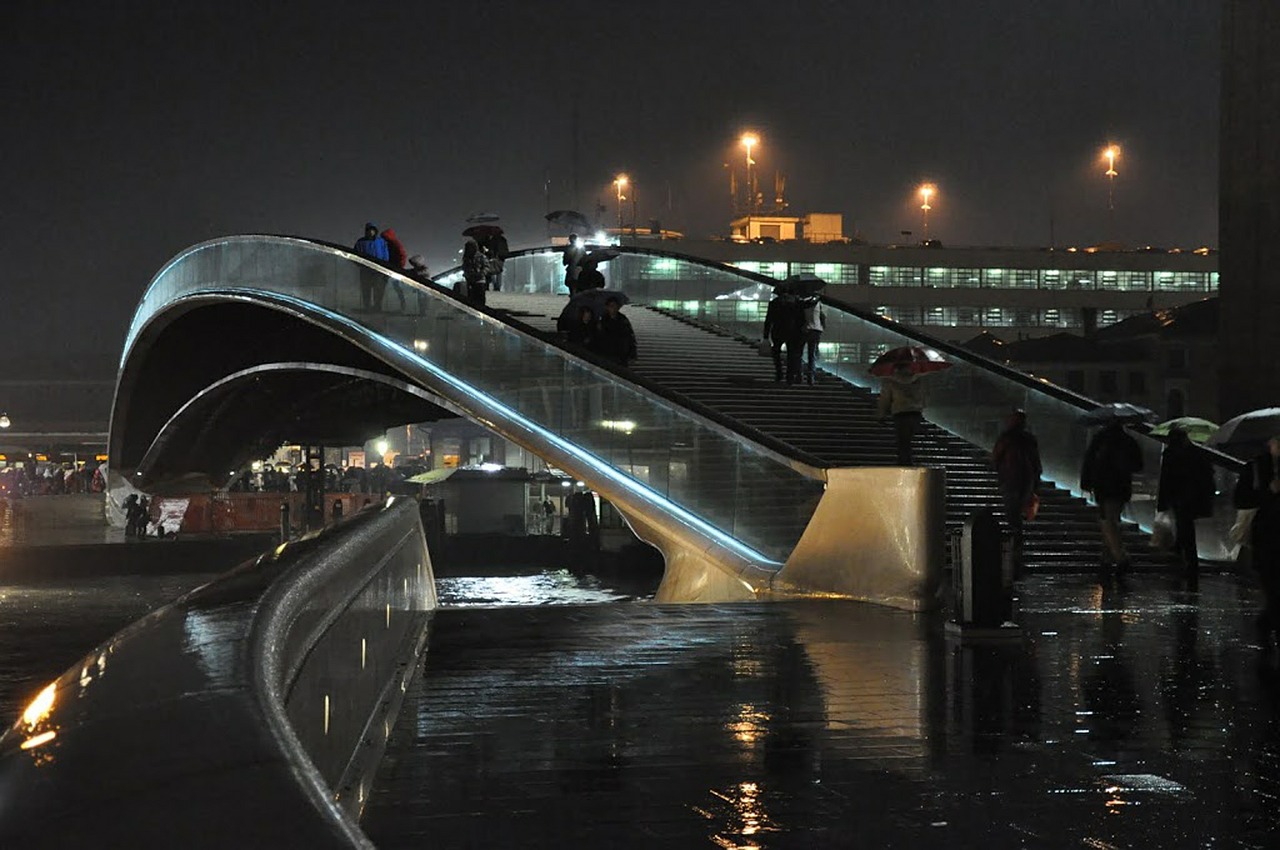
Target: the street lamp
pixel 750 140
pixel 927 191
pixel 4 420
pixel 1109 153
pixel 619 183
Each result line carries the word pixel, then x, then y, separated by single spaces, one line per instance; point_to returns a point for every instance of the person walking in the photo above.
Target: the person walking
pixel 1110 462
pixel 902 397
pixel 1016 457
pixel 784 328
pixel 474 269
pixel 372 282
pixel 1186 488
pixel 572 260
pixel 397 259
pixel 418 271
pixel 616 339
pixel 1265 536
pixel 496 248
pixel 814 324
pixel 585 330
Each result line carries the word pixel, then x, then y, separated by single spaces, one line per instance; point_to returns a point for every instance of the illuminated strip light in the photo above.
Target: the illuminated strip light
pixel 731 543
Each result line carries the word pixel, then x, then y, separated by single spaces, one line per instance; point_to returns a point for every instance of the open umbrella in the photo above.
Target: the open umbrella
pixel 1117 411
pixel 801 284
pixel 917 358
pixel 1248 431
pixel 482 231
pixel 603 255
pixel 482 218
pixel 569 219
pixel 1194 427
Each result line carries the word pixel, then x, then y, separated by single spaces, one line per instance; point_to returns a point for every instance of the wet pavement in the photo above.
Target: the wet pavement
pixel 1124 716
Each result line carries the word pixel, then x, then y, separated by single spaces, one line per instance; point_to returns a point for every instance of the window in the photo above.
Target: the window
pixel 1137 383
pixel 1075 380
pixel 1176 404
pixel 1107 381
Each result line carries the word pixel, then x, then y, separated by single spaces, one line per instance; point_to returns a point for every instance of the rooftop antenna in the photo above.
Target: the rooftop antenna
pixel 779 192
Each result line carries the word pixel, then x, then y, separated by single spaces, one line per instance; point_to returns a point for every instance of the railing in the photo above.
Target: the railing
pixel 252 712
pixel 744 494
pixel 972 399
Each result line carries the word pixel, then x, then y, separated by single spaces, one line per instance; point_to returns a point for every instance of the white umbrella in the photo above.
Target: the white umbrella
pixel 1248 430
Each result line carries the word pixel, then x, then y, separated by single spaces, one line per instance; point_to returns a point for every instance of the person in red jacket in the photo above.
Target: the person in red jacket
pixel 397 261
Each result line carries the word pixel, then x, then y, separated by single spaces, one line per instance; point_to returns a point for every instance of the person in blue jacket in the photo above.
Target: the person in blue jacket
pixel 372 283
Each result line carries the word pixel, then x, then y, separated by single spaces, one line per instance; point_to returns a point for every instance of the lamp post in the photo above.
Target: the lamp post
pixel 750 140
pixel 927 191
pixel 619 183
pixel 1109 154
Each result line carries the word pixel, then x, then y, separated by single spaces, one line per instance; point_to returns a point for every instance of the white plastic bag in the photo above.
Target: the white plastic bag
pixel 1162 531
pixel 1239 533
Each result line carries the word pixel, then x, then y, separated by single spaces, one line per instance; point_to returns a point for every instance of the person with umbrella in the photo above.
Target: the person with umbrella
pixel 1016 457
pixel 1186 488
pixel 496 248
pixel 1264 480
pixel 784 327
pixel 814 323
pixel 902 396
pixel 474 269
pixel 1110 461
pixel 572 260
pixel 616 339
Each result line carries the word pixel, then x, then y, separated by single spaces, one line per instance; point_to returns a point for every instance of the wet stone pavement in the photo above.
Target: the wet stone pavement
pixel 1126 716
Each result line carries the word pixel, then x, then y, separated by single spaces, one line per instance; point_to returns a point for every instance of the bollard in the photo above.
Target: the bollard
pixel 983 598
pixel 284 522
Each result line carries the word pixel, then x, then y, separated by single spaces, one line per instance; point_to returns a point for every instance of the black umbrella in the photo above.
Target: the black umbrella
pixel 801 284
pixel 482 231
pixel 603 255
pixel 592 298
pixel 569 219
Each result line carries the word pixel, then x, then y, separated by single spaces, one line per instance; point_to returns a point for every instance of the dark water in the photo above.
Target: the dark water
pixel 1133 716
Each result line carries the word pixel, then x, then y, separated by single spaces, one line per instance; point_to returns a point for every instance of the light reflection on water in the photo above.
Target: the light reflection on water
pixel 552 587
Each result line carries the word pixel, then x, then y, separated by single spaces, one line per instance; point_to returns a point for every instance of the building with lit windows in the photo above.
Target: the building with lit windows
pixel 955 293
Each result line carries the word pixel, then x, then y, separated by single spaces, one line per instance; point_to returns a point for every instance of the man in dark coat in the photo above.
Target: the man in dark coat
pixel 1016 457
pixel 1265 535
pixel 1187 489
pixel 784 327
pixel 1107 472
pixel 616 339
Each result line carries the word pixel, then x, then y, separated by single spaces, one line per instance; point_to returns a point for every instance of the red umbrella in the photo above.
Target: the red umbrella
pixel 917 358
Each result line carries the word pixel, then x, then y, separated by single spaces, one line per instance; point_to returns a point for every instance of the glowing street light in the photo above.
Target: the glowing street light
pixel 927 191
pixel 1110 154
pixel 619 183
pixel 4 420
pixel 750 140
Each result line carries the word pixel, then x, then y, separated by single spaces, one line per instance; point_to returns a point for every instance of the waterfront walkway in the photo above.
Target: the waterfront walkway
pixel 1137 715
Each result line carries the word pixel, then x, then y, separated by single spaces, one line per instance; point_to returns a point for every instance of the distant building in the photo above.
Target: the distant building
pixel 955 293
pixel 1164 359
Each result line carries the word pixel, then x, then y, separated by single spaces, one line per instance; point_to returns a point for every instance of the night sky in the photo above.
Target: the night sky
pixel 131 130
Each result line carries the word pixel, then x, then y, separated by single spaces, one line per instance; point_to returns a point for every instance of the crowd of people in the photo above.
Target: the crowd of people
pixel 483 261
pixel 377 479
pixel 50 479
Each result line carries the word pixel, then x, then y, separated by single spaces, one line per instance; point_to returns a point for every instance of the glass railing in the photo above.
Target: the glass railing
pixel 698 470
pixel 973 398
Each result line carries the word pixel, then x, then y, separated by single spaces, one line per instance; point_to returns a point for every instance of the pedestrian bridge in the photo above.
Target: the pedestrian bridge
pixel 245 342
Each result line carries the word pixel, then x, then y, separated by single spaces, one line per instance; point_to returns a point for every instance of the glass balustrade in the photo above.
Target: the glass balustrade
pixel 653 447
pixel 973 398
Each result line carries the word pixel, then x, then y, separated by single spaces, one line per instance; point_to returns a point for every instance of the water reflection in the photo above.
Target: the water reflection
pixel 553 587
